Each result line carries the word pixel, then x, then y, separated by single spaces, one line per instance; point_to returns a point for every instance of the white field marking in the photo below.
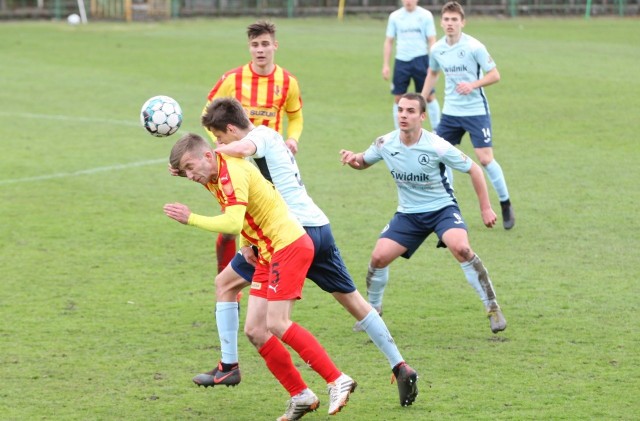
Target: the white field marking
pixel 83 172
pixel 131 123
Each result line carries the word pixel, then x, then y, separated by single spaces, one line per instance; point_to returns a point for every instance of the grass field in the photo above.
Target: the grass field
pixel 107 306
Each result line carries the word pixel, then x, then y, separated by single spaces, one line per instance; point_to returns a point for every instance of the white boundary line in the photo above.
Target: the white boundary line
pixel 131 123
pixel 83 172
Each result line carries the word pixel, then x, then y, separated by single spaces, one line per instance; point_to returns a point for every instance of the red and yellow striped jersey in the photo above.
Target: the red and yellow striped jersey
pixel 265 98
pixel 268 223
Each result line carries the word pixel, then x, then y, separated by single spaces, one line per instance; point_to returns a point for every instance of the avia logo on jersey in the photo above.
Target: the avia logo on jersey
pixel 461 53
pixel 409 177
pixel 455 69
pixel 423 159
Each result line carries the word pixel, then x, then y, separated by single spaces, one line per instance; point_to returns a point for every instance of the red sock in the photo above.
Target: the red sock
pixel 311 352
pixel 281 366
pixel 225 250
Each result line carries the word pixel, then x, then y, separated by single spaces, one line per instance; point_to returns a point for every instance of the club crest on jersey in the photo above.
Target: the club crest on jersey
pixel 461 53
pixel 423 159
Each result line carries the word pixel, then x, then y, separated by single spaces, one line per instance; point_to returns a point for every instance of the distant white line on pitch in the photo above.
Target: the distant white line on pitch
pixel 84 172
pixel 132 123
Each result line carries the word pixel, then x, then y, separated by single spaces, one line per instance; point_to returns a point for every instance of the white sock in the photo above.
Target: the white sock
pixel 494 171
pixel 376 281
pixel 478 277
pixel 379 334
pixel 228 324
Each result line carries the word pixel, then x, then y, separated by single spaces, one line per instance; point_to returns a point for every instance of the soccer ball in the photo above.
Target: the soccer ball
pixel 161 116
pixel 73 19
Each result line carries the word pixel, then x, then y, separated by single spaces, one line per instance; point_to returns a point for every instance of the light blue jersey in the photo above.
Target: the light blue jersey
pixel 464 61
pixel 278 165
pixel 411 29
pixel 419 170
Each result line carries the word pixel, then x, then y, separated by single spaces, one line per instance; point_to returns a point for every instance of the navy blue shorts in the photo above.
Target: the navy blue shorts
pixel 405 71
pixel 452 129
pixel 411 229
pixel 327 270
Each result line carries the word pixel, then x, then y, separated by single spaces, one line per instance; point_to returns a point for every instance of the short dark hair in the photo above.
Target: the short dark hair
pixel 413 96
pixel 261 27
pixel 189 143
pixel 222 112
pixel 453 7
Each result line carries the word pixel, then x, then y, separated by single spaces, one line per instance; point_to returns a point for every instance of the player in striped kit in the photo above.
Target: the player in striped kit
pixel 238 137
pixel 254 208
pixel 267 92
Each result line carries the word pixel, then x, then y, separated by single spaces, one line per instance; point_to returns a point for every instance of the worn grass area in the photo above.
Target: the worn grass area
pixel 107 306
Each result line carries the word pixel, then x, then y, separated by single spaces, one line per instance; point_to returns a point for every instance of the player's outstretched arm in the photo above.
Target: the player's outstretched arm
pixel 177 211
pixel 230 222
pixel 354 160
pixel 480 186
pixel 240 149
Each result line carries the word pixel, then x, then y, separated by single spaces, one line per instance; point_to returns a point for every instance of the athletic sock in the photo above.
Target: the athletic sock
pixel 377 280
pixel 494 170
pixel 311 352
pixel 395 116
pixel 478 277
pixel 281 366
pixel 225 251
pixel 228 322
pixel 433 109
pixel 379 334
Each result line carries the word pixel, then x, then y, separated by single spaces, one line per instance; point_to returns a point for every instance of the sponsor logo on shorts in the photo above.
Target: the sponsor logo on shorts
pixel 256 285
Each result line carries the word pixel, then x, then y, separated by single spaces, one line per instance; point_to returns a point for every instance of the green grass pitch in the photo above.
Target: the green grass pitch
pixel 106 305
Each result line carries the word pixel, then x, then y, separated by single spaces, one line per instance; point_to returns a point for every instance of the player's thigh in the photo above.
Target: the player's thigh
pixel 229 283
pixel 479 129
pixel 450 129
pixel 328 269
pixel 419 72
pixel 408 231
pixel 288 270
pixel 401 77
pixel 386 251
pixel 241 267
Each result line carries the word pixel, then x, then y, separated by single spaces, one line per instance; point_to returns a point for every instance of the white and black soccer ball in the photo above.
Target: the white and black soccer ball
pixel 161 116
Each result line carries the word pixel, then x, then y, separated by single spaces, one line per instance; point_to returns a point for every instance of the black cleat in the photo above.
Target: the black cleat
pixel 217 377
pixel 407 379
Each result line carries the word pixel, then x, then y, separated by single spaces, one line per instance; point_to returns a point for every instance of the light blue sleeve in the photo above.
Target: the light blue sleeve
pixel 431 28
pixel 484 59
pixel 391 27
pixel 374 153
pixel 433 63
pixel 455 158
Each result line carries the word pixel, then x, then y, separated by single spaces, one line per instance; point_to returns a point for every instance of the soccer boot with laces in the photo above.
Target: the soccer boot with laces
pixel 508 216
pixel 300 404
pixel 218 376
pixel 339 391
pixel 496 319
pixel 407 379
